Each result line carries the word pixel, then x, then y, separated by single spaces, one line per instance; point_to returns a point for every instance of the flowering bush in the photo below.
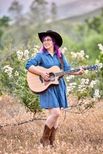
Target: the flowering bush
pixel 13 77
pixel 89 84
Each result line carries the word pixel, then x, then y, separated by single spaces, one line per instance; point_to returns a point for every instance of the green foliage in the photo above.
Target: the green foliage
pixel 94 23
pixel 81 43
pixel 90 83
pixel 4 23
pixel 100 75
pixel 13 80
pixel 90 34
pixel 90 45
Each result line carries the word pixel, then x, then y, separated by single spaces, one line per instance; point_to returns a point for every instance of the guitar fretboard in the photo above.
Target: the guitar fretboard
pixel 90 68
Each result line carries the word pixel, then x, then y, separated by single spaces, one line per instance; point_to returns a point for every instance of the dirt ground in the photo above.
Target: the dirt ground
pixel 80 131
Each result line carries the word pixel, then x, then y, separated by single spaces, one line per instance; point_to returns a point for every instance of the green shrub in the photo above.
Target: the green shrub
pixel 13 79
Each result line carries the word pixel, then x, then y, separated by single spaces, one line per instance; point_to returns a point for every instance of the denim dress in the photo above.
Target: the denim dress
pixel 55 95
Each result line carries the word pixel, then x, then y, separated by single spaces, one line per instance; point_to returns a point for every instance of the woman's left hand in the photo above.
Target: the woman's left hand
pixel 81 71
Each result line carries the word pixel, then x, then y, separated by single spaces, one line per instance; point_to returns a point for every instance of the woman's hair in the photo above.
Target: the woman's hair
pixel 56 48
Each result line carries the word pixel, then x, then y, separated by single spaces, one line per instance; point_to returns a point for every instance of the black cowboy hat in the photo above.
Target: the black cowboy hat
pixel 53 34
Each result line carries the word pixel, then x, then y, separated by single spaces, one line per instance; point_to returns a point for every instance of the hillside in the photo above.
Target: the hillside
pixel 77 8
pixel 79 133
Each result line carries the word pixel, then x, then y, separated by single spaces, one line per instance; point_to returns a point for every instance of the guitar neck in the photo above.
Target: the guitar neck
pixel 91 68
pixel 62 73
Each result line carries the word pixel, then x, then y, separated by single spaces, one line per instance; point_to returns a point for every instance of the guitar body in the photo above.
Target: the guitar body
pixel 37 84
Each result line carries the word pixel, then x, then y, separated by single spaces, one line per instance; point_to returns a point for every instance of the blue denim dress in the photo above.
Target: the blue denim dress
pixel 55 95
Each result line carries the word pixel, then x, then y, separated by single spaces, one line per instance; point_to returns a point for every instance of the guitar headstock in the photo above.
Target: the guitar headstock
pixel 95 67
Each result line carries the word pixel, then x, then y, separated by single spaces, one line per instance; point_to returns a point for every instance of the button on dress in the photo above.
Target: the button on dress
pixel 55 95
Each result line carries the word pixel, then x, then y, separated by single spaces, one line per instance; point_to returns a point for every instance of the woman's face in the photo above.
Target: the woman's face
pixel 48 43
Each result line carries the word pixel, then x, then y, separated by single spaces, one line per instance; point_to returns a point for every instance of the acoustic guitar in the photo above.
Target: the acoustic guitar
pixel 37 84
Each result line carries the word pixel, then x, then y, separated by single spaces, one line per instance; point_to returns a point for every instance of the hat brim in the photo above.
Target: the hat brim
pixel 52 34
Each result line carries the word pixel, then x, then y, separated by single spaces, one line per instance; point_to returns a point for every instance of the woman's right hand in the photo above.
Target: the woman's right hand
pixel 45 75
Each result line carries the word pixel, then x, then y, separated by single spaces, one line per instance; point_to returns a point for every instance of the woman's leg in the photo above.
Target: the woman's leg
pixel 53 117
pixel 54 122
pixel 49 130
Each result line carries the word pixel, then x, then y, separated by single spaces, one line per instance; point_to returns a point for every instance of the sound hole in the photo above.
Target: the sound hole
pixel 41 79
pixel 52 76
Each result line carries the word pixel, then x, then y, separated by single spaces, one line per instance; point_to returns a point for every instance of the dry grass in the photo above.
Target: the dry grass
pixel 78 133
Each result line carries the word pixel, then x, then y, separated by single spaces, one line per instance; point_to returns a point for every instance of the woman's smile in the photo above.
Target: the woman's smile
pixel 47 42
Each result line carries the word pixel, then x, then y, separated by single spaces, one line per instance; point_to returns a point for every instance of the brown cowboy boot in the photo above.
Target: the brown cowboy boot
pixel 52 136
pixel 45 138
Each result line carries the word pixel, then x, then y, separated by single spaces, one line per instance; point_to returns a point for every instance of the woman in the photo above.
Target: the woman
pixel 54 98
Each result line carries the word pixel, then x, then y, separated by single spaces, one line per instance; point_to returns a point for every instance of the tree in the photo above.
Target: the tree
pixel 4 23
pixel 53 11
pixel 16 11
pixel 38 11
pixel 95 23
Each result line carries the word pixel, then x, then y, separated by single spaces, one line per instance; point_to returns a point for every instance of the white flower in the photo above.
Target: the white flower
pixel 100 47
pixel 16 73
pixel 84 81
pixel 100 65
pixel 73 55
pixel 26 54
pixel 36 46
pixel 7 69
pixel 68 78
pixel 19 54
pixel 35 49
pixel 87 56
pixel 82 52
pixel 63 50
pixel 86 71
pixel 97 61
pixel 69 89
pixel 82 89
pixel 83 85
pixel 93 83
pixel 22 55
pixel 80 56
pixel 96 93
pixel 73 84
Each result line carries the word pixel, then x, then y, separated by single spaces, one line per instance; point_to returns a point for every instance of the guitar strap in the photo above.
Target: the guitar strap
pixel 61 61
